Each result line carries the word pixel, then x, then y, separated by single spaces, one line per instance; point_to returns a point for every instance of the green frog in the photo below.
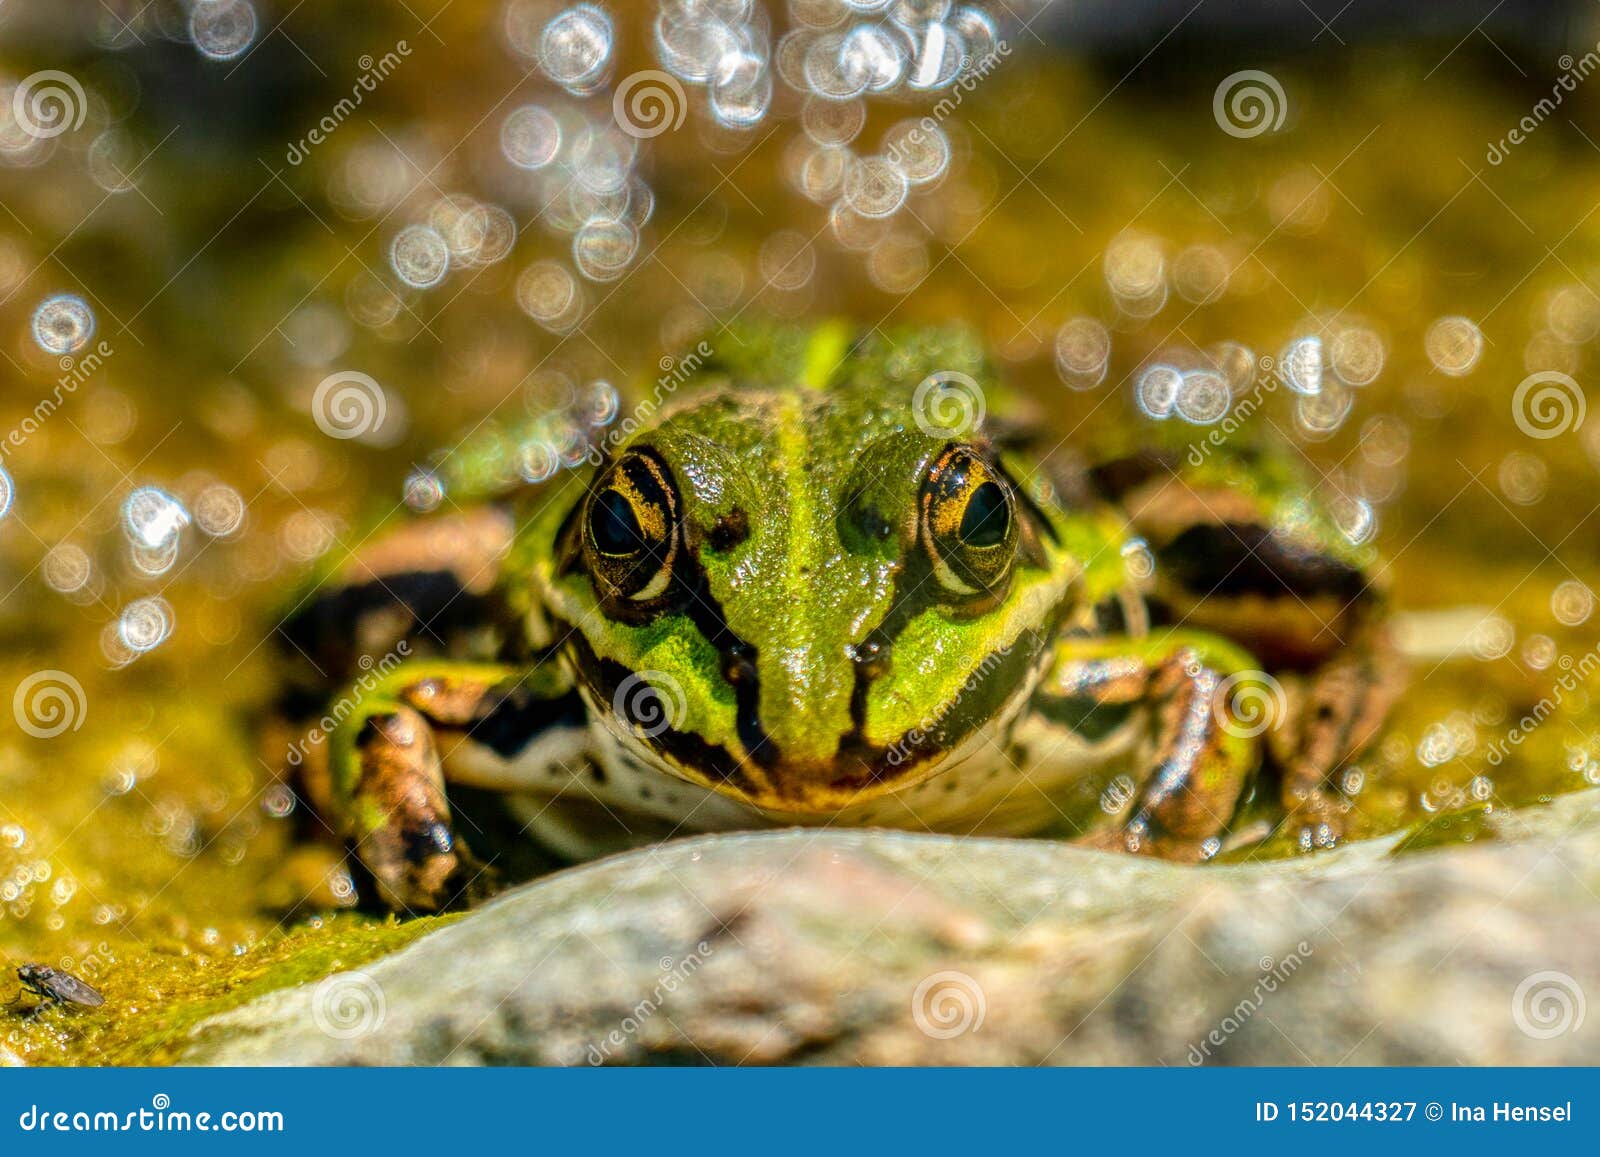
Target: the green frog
pixel 827 581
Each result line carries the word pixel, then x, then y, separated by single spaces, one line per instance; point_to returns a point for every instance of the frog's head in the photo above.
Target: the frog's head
pixel 804 598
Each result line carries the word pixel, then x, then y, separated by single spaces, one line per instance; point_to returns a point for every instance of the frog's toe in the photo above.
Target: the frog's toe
pixel 1142 836
pixel 423 866
pixel 1332 715
pixel 1317 820
pixel 430 861
pixel 400 817
pixel 415 863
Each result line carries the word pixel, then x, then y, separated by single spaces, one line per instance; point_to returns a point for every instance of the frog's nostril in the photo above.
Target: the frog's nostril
pixel 739 663
pixel 871 654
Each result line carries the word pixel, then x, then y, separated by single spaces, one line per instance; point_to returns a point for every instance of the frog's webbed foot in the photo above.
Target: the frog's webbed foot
pixel 398 799
pixel 388 781
pixel 1330 715
pixel 1201 759
pixel 1214 716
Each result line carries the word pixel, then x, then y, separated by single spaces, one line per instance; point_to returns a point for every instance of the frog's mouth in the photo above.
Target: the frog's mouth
pixel 858 771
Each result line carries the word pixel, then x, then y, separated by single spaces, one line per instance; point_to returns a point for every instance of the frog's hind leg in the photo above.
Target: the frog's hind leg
pixel 417 587
pixel 390 762
pixel 1200 761
pixel 1243 551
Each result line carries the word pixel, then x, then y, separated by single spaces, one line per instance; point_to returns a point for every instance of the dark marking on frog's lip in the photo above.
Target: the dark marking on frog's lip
pixel 604 678
pixel 996 677
pixel 738 667
pixel 858 768
pixel 991 686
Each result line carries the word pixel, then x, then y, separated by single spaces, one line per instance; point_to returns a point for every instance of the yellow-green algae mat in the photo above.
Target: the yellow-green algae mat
pixel 151 1007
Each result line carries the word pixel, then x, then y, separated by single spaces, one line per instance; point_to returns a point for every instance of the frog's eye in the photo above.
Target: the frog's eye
pixel 968 522
pixel 630 529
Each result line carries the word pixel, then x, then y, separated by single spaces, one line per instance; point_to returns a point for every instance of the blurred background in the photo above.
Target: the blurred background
pixel 268 270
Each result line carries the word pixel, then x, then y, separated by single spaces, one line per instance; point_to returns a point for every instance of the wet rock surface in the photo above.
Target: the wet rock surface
pixel 887 948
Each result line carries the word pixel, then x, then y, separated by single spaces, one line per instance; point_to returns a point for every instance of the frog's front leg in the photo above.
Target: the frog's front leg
pixel 392 755
pixel 1200 757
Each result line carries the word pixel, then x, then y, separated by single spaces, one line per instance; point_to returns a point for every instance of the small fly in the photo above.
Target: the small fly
pixel 55 986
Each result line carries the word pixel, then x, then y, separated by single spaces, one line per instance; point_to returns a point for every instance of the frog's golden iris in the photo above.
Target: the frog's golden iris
pixel 631 530
pixel 969 523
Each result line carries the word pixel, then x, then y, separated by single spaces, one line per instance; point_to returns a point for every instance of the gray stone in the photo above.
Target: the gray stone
pixel 889 948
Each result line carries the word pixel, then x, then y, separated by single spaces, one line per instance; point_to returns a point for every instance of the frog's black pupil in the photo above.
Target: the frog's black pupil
pixel 987 517
pixel 615 526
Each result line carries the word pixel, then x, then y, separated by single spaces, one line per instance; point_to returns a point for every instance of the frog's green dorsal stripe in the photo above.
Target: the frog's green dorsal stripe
pixel 826 350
